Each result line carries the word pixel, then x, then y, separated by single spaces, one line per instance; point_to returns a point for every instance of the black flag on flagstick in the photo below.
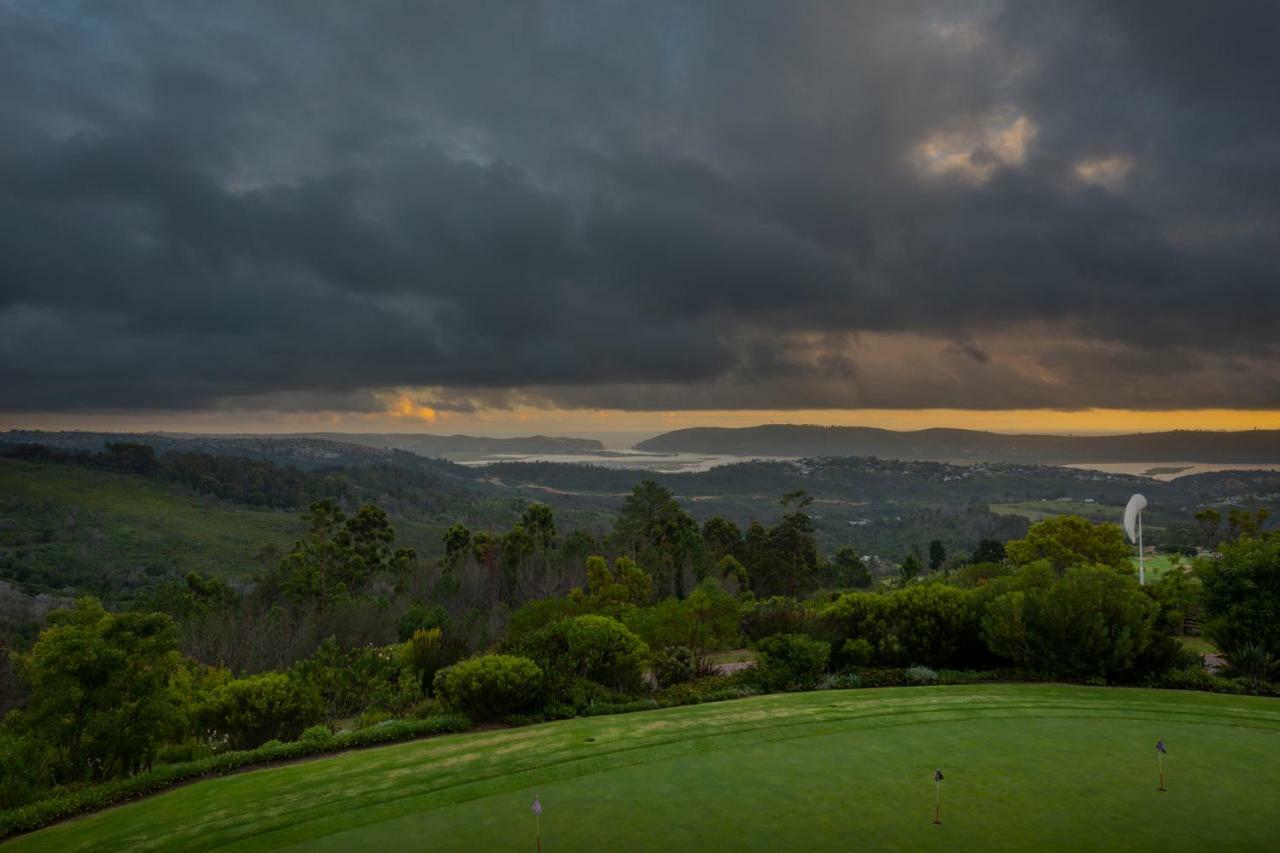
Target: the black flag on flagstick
pixel 1160 754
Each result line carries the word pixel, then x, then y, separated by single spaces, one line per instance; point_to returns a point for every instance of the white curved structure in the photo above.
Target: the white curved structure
pixel 1133 529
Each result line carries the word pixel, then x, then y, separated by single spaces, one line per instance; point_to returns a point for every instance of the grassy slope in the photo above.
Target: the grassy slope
pixel 1040 510
pixel 100 522
pixel 1028 767
pixel 1157 565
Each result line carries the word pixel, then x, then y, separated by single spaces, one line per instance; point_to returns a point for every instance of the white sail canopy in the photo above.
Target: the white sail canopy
pixel 1137 504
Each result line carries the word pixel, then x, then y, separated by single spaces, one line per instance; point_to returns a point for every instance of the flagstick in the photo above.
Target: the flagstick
pixel 937 807
pixel 538 820
pixel 1160 758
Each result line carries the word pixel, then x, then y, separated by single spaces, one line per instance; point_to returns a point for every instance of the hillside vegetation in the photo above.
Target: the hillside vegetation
pixel 77 527
pixel 1260 446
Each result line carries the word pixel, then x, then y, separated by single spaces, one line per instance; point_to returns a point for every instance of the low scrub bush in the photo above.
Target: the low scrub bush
pixel 608 708
pixel 250 711
pixel 792 661
pixel 584 694
pixel 921 675
pixel 856 652
pixel 491 687
pixel 674 665
pixel 882 677
pixel 176 753
pixel 317 734
pixel 425 708
pixel 713 688
pixel 841 681
pixel 597 648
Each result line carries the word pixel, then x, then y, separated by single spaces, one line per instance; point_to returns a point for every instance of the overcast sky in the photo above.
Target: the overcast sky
pixel 274 211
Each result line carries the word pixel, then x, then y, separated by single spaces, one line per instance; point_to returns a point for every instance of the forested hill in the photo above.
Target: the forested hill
pixel 460 446
pixel 1255 446
pixel 324 449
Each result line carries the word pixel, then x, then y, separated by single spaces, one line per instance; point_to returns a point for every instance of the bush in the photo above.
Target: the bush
pixel 1091 622
pixel 422 617
pixel 178 753
pixel 925 624
pixel 1241 594
pixel 882 677
pixel 609 708
pixel 251 711
pixel 704 622
pixel 65 803
pixel 841 681
pixel 425 708
pixel 933 625
pixel 430 650
pixel 540 613
pixel 583 695
pixel 969 676
pixel 921 675
pixel 372 717
pixel 491 687
pixel 674 665
pixel 792 661
pixel 597 648
pixel 713 688
pixel 856 652
pixel 777 615
pixel 316 734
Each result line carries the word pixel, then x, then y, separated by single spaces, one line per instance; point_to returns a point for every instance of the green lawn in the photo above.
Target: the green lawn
pixel 1157 566
pixel 1040 510
pixel 1199 645
pixel 1028 767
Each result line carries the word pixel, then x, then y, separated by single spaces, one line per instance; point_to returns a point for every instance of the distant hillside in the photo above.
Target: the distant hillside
pixel 454 446
pixel 959 445
pixel 313 449
pixel 67 528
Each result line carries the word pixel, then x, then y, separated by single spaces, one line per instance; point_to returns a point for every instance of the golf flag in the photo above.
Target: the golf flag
pixel 937 803
pixel 536 808
pixel 1160 754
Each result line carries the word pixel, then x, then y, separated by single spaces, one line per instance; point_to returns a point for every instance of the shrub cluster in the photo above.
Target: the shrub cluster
pixel 792 661
pixel 491 687
pixel 593 647
pixel 714 688
pixel 251 711
pixel 317 741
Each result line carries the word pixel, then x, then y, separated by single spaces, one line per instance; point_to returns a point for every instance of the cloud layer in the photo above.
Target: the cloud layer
pixel 639 205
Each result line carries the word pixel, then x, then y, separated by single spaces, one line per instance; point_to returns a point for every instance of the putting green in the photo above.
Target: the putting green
pixel 1027 767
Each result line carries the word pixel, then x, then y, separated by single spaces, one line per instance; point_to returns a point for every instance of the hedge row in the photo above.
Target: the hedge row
pixel 43 812
pixel 1207 682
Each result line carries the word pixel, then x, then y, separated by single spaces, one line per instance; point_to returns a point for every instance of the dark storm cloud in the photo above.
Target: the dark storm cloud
pixel 639 205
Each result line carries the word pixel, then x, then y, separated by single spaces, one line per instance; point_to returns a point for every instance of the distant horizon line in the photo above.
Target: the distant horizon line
pixel 591 433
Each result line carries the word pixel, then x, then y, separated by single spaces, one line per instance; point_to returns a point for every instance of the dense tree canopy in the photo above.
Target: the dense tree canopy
pixel 340 555
pixel 1242 594
pixel 1069 540
pixel 100 689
